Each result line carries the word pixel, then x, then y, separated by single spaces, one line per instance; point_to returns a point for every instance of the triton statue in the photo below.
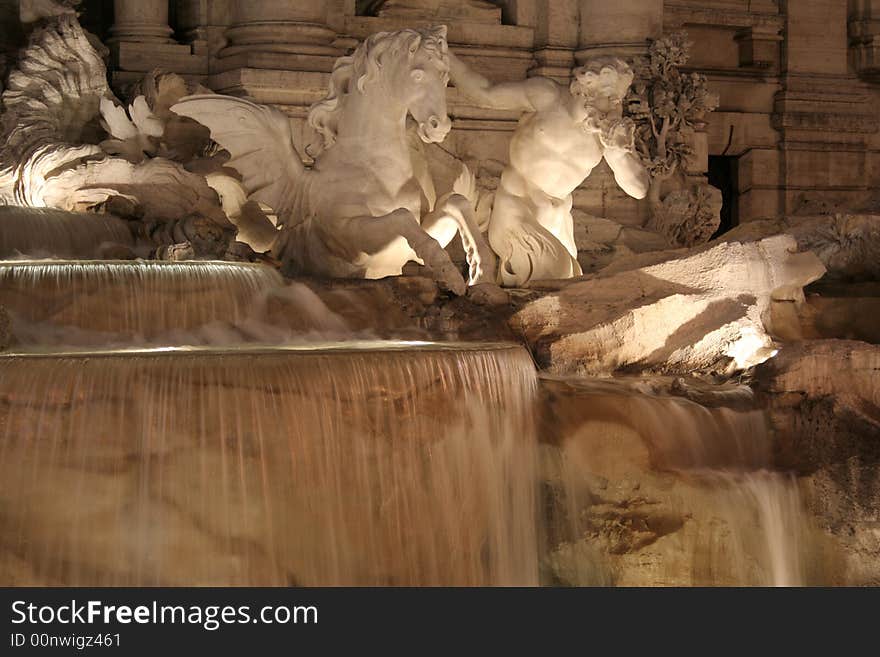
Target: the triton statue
pixel 564 135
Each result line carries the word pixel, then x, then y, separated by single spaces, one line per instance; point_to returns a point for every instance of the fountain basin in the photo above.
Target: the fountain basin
pixel 59 234
pixel 365 464
pixel 97 302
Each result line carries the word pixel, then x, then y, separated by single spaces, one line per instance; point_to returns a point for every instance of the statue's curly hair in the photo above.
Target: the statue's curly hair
pixel 595 74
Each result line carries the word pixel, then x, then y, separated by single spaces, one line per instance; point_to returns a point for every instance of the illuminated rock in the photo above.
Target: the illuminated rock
pixel 670 311
pixel 848 243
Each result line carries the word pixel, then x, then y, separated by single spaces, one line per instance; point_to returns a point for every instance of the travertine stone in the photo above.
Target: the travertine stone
pixel 478 11
pixel 823 401
pixel 623 27
pixel 670 311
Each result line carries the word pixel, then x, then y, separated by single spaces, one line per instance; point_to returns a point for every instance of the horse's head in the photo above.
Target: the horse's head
pixel 420 78
pixel 406 68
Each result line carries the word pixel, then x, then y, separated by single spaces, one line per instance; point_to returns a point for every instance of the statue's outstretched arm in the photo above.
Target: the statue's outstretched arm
pixel 629 173
pixel 528 95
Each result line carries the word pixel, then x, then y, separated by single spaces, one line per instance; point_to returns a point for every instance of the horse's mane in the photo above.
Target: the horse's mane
pixel 351 74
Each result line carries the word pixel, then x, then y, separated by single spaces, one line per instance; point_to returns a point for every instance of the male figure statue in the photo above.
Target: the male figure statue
pixel 564 134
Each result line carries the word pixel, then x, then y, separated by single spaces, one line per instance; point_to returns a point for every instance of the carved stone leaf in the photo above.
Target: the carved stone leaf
pixel 116 121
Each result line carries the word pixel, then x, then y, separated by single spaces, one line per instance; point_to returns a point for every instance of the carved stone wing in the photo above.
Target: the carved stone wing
pixel 260 142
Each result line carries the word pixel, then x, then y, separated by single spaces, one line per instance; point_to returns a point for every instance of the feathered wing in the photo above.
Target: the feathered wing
pixel 260 142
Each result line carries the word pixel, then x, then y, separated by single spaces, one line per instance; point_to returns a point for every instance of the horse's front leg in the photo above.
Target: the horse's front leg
pixel 455 214
pixel 379 238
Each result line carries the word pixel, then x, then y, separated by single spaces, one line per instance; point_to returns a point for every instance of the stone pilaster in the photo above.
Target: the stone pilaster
pixel 864 36
pixel 823 113
pixel 623 28
pixel 203 24
pixel 277 52
pixel 556 39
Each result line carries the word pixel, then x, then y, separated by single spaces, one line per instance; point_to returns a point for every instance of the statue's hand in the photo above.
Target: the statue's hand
pixel 619 135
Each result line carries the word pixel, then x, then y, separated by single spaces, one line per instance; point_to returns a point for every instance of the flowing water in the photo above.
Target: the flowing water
pixel 42 232
pixel 676 485
pixel 370 464
pixel 131 302
pixel 275 449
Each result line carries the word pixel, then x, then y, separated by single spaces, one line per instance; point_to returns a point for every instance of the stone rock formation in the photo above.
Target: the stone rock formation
pixel 701 310
pixel 667 482
pixel 847 243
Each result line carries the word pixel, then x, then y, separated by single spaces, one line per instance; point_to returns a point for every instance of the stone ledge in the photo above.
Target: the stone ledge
pixel 484 34
pixel 676 15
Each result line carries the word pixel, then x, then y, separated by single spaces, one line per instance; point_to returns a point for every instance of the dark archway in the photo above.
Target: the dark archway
pixel 723 174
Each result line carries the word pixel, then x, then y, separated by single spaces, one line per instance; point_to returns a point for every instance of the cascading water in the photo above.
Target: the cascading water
pixel 365 464
pixel 265 457
pixel 137 302
pixel 44 231
pixel 655 488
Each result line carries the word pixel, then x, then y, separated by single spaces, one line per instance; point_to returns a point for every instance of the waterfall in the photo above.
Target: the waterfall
pixel 209 423
pixel 40 232
pixel 364 464
pixel 658 486
pixel 120 302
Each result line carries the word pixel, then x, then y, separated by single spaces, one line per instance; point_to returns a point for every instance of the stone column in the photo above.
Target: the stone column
pixel 203 24
pixel 621 28
pixel 864 34
pixel 141 41
pixel 140 21
pixel 618 27
pixel 556 39
pixel 281 35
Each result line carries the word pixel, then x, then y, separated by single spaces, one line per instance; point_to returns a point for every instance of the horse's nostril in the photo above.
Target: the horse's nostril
pixel 435 122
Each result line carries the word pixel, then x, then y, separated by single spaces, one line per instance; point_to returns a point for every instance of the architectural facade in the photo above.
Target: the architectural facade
pixel 798 80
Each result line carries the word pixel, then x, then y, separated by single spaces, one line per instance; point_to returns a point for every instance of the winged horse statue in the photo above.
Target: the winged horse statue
pixel 358 211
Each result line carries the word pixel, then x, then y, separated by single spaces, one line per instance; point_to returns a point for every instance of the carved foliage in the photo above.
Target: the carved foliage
pixel 667 104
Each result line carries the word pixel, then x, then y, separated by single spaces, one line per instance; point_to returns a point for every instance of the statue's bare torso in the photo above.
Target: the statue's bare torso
pixel 553 153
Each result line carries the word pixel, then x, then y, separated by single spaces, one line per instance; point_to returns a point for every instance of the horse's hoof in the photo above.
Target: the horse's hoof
pixel 450 279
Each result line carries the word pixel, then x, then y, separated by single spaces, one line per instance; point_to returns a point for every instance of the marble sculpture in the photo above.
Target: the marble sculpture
pixel 360 210
pixel 564 134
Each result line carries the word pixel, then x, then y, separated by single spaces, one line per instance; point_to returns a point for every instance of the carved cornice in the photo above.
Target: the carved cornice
pixel 678 14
